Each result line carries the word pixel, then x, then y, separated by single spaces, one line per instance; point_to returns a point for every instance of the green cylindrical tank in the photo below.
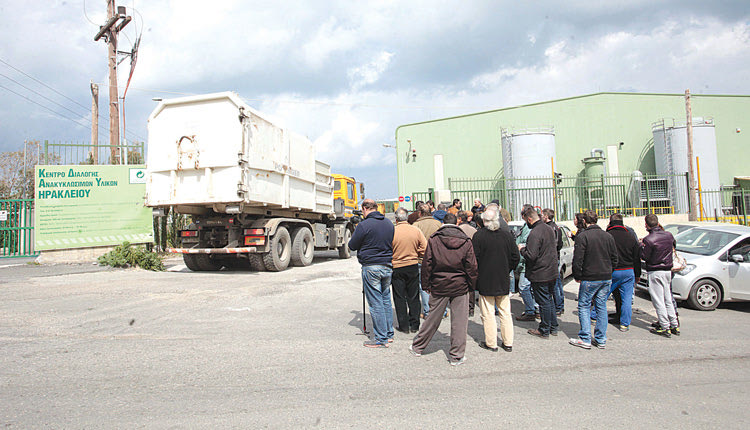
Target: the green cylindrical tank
pixel 593 172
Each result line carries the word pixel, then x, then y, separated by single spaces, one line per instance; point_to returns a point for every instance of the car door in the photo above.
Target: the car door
pixel 566 253
pixel 738 273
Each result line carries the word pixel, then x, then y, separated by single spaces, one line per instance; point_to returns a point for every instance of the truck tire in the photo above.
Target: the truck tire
pixel 277 259
pixel 191 262
pixel 206 263
pixel 344 251
pixel 256 262
pixel 302 247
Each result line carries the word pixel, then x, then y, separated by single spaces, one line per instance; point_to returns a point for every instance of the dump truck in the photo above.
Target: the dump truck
pixel 255 193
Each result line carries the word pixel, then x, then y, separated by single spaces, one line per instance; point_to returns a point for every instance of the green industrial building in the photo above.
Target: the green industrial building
pixel 620 135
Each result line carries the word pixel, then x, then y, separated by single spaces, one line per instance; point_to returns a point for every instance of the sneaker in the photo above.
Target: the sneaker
pixel 597 344
pixel 579 343
pixel 624 328
pixel 675 331
pixel 506 348
pixel 485 346
pixel 458 362
pixel 661 332
pixel 413 352
pixel 374 344
pixel 525 317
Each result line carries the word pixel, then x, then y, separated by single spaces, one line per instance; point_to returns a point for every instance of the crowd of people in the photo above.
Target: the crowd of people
pixel 432 263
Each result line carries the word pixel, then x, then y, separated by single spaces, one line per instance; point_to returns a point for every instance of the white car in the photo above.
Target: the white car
pixel 566 253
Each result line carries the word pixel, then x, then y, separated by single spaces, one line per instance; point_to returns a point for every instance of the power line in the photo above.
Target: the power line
pixel 86 15
pixel 40 95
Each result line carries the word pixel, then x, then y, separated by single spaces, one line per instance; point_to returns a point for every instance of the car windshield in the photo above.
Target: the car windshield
pixel 676 229
pixel 703 241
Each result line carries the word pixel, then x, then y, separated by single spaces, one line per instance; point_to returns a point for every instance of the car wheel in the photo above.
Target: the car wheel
pixel 705 295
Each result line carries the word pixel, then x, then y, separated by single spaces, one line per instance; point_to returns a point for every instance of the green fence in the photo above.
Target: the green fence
pixel 634 195
pixel 85 153
pixel 16 228
pixel 726 205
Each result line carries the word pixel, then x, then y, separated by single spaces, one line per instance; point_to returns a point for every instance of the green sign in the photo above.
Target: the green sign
pixel 85 206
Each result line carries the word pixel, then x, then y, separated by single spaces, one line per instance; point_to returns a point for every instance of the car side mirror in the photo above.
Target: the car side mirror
pixel 737 258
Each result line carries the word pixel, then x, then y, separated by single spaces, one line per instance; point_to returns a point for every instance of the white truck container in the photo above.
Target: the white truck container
pixel 254 190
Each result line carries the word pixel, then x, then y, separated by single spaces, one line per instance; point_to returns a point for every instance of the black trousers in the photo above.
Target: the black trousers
pixel 544 297
pixel 405 283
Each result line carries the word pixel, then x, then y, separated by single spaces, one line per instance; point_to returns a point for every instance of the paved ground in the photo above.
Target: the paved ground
pixel 85 347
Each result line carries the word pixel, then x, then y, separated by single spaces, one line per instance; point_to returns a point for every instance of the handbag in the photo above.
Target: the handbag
pixel 678 261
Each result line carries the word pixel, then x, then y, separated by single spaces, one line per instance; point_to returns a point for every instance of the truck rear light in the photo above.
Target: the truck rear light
pixel 189 233
pixel 255 240
pixel 255 232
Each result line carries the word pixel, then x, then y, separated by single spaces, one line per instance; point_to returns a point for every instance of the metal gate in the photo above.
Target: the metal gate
pixel 17 228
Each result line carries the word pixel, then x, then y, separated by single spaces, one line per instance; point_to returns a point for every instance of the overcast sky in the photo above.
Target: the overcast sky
pixel 347 73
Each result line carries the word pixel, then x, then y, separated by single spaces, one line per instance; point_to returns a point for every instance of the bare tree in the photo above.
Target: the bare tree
pixel 17 172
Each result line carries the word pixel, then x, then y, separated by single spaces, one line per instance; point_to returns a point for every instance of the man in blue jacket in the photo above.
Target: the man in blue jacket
pixel 373 241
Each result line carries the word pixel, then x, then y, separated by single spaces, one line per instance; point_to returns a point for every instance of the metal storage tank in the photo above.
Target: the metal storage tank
pixel 527 158
pixel 670 152
pixel 593 176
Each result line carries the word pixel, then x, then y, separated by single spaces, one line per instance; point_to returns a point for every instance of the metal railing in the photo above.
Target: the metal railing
pixel 729 205
pixel 60 153
pixel 17 228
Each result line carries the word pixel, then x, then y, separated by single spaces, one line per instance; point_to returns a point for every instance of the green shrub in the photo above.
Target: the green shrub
pixel 127 255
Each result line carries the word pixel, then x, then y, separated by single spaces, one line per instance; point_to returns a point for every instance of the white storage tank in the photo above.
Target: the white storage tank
pixel 528 154
pixel 670 153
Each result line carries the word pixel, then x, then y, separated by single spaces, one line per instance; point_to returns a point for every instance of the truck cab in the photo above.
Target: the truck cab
pixel 345 189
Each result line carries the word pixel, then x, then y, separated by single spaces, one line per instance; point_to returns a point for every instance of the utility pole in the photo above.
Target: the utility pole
pixel 692 215
pixel 94 123
pixel 116 21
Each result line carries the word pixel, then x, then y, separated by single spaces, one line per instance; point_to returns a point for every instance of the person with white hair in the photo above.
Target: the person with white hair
pixel 497 256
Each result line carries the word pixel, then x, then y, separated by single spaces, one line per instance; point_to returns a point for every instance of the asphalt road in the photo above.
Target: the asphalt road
pixel 83 347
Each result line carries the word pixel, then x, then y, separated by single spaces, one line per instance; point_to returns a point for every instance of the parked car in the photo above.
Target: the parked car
pixel 566 253
pixel 681 227
pixel 718 266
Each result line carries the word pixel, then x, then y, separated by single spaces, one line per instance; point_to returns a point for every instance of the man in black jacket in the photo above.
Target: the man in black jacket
pixel 373 241
pixel 540 254
pixel 594 257
pixel 548 216
pixel 497 256
pixel 449 270
pixel 626 273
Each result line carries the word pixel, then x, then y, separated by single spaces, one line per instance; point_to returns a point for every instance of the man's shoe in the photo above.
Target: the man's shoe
pixel 458 362
pixel 506 348
pixel 560 312
pixel 471 313
pixel 553 333
pixel 374 344
pixel 485 346
pixel 675 331
pixel 537 333
pixel 597 344
pixel 403 331
pixel 624 328
pixel 579 343
pixel 414 330
pixel 655 324
pixel 413 352
pixel 525 317
pixel 661 332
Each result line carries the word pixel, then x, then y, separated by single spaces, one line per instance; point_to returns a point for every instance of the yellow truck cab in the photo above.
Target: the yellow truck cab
pixel 345 188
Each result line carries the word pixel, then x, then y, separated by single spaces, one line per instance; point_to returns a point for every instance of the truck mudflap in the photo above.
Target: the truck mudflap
pixel 247 249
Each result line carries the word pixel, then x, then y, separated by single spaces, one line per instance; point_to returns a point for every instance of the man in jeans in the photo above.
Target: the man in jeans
pixel 548 216
pixel 541 258
pixel 449 271
pixel 373 241
pixel 427 225
pixel 657 255
pixel 594 257
pixel 626 273
pixel 531 308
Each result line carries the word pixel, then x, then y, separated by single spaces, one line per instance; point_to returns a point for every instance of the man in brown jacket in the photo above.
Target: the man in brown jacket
pixel 408 246
pixel 449 271
pixel 427 225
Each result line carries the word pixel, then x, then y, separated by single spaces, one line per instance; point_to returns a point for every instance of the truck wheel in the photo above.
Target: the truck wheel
pixel 191 262
pixel 256 262
pixel 344 251
pixel 206 263
pixel 277 259
pixel 302 247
